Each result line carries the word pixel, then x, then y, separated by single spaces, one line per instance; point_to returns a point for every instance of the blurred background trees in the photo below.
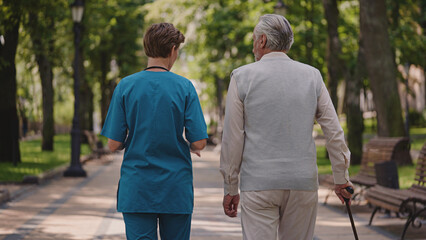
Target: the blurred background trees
pixel 370 53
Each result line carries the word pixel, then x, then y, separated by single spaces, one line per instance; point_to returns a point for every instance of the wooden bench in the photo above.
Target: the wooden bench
pixel 96 146
pixel 377 150
pixel 409 202
pixel 380 150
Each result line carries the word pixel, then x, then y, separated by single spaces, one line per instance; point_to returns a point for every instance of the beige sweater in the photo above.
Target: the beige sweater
pixel 267 137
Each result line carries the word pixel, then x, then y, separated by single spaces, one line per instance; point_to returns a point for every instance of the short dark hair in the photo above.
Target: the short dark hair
pixel 160 38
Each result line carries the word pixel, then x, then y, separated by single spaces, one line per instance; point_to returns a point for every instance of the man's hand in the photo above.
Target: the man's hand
pixel 341 192
pixel 230 205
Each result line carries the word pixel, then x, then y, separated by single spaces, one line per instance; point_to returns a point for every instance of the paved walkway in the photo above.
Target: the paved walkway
pixel 84 208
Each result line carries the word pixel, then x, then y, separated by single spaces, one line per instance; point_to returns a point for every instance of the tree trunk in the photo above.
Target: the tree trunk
pixel 353 81
pixel 43 51
pixel 333 49
pixel 381 68
pixel 354 118
pixel 9 123
pixel 107 87
pixel 46 75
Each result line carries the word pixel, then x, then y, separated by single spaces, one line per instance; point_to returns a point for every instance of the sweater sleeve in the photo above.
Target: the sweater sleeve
pixel 336 146
pixel 232 140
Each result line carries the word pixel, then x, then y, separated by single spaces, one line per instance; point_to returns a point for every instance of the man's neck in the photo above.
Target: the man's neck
pixel 266 51
pixel 161 62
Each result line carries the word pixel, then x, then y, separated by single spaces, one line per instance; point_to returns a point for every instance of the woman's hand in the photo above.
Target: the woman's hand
pixel 197 146
pixel 196 152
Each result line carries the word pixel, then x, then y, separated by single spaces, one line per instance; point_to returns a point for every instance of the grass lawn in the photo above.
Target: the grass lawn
pixel 418 138
pixel 405 173
pixel 35 161
pixel 324 165
pixel 103 139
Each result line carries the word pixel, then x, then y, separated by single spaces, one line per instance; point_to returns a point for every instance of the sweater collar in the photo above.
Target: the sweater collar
pixel 275 55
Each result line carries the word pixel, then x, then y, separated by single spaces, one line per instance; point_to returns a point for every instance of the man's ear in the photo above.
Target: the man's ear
pixel 263 41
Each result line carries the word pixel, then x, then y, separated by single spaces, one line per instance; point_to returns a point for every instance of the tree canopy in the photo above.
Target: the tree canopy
pixel 218 40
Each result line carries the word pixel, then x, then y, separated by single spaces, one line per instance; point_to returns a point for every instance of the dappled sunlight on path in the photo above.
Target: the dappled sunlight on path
pixel 85 208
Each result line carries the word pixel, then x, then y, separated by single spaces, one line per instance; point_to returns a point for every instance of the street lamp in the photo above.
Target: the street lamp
pixel 75 169
pixel 77 9
pixel 280 8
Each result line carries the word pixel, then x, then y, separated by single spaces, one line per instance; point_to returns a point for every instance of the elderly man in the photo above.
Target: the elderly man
pixel 270 111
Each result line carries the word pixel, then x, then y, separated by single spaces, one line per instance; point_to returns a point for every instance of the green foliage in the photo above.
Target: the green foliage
pixel 112 27
pixel 349 31
pixel 54 25
pixel 64 108
pixel 114 31
pixel 7 9
pixel 224 42
pixel 36 161
pixel 28 87
pixel 406 33
pixel 417 119
pixel 418 137
pixel 310 32
pixel 218 36
pixel 41 22
pixel 218 40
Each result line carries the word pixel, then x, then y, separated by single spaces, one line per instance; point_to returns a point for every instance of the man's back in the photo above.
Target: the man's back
pixel 267 139
pixel 280 99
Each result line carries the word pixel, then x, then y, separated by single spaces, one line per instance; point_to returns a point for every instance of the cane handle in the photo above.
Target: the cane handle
pixel 350 190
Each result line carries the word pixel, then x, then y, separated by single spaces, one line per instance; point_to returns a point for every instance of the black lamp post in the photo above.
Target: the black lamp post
pixel 280 8
pixel 75 169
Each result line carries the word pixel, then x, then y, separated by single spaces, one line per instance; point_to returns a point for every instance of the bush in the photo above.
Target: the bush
pixel 417 119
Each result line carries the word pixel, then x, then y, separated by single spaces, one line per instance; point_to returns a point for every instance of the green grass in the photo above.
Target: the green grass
pixel 405 173
pixel 103 139
pixel 406 176
pixel 417 134
pixel 418 138
pixel 35 161
pixel 324 165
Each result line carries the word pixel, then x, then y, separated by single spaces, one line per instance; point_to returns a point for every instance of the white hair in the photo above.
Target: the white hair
pixel 277 30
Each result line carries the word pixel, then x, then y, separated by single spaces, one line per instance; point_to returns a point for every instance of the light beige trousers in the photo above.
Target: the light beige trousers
pixel 288 214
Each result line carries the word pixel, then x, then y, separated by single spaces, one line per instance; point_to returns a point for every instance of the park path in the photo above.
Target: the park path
pixel 84 208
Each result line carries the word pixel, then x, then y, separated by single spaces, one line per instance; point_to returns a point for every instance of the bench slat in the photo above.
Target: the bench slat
pixel 390 207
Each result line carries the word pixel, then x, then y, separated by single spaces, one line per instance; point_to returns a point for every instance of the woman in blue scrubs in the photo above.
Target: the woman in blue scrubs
pixel 148 115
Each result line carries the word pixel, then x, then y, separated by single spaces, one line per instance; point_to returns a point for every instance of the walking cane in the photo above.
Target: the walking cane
pixel 351 191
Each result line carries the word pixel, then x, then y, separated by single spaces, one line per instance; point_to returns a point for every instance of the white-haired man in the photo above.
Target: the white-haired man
pixel 270 111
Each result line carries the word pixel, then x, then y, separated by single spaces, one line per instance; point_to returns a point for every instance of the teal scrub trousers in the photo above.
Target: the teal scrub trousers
pixel 143 226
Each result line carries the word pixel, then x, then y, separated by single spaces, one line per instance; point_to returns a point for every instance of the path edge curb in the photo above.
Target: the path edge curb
pixel 32 181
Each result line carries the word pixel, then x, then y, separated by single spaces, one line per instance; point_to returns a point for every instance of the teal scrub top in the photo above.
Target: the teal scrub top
pixel 149 112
